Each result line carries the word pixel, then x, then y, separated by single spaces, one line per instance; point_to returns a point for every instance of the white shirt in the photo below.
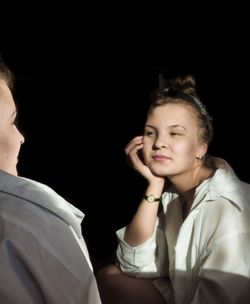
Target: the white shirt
pixel 43 256
pixel 74 213
pixel 206 257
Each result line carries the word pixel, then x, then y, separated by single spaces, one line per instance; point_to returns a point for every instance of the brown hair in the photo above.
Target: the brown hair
pixel 6 75
pixel 182 90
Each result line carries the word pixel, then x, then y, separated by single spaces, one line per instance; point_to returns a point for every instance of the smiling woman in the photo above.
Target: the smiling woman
pixel 43 255
pixel 193 245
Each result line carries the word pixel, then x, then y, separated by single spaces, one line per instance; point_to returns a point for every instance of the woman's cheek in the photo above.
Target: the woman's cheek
pixel 145 153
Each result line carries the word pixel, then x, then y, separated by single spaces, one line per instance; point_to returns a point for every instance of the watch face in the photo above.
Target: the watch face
pixel 151 198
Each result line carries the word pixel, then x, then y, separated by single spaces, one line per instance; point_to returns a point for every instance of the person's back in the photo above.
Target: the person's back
pixel 43 256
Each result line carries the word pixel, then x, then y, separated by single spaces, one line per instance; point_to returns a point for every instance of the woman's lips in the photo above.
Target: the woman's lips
pixel 160 157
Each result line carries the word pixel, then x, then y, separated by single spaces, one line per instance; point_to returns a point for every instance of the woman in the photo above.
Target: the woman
pixel 43 255
pixel 189 241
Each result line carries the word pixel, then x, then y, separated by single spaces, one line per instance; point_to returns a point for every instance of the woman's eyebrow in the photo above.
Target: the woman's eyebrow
pixel 150 126
pixel 177 126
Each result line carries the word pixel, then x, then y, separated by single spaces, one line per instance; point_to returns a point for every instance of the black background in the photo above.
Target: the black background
pixel 82 84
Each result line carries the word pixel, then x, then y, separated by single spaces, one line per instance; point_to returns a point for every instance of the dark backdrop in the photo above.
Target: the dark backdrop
pixel 82 95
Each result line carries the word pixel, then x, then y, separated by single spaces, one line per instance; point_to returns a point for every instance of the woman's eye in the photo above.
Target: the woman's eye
pixel 175 134
pixel 149 133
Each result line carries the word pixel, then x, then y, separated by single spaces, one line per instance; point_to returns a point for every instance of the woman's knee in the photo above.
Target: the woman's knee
pixel 105 276
pixel 106 279
pixel 108 271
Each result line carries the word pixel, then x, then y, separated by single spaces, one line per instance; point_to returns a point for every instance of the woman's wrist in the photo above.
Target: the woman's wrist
pixel 156 186
pixel 154 190
pixel 151 198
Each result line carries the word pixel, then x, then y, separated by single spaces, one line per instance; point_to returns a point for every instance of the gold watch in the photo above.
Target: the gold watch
pixel 151 198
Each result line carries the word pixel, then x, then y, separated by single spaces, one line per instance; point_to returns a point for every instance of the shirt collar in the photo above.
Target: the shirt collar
pixel 43 196
pixel 225 184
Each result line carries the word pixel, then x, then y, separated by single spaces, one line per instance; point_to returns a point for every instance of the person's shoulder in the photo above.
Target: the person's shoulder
pixel 219 207
pixel 225 186
pixel 36 183
pixel 223 216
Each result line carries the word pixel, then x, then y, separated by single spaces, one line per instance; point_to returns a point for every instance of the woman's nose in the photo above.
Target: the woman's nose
pixel 22 139
pixel 160 142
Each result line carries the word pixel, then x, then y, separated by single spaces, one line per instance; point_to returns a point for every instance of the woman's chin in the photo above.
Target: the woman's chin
pixel 158 172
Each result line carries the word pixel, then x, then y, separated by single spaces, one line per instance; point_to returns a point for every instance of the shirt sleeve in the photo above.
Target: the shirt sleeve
pixel 143 260
pixel 149 259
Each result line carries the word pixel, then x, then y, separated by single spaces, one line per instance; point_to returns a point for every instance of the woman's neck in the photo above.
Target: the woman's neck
pixel 186 185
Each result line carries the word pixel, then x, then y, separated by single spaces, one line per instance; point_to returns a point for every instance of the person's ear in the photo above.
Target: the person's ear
pixel 202 150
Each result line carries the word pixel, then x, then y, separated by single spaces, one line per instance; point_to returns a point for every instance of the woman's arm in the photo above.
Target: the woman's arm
pixel 143 223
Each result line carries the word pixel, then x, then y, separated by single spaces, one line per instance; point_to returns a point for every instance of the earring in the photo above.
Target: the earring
pixel 199 157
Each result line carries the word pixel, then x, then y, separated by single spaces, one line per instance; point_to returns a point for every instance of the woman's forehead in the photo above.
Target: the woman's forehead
pixel 170 113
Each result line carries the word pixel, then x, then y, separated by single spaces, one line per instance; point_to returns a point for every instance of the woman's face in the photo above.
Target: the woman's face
pixel 10 137
pixel 171 140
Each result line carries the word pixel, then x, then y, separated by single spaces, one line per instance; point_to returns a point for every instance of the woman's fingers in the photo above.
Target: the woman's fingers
pixel 134 145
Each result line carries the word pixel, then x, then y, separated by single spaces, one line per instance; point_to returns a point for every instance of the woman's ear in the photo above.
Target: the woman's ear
pixel 202 149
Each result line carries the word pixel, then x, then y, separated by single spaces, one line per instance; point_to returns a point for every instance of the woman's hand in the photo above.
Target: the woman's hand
pixel 135 160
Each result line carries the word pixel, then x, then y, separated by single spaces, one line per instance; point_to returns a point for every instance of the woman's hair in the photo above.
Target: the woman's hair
pixel 182 90
pixel 6 75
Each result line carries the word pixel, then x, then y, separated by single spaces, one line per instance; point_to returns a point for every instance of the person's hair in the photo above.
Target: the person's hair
pixel 6 75
pixel 182 90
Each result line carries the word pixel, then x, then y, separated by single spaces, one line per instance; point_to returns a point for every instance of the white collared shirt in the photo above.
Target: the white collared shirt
pixel 206 257
pixel 74 213
pixel 42 251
